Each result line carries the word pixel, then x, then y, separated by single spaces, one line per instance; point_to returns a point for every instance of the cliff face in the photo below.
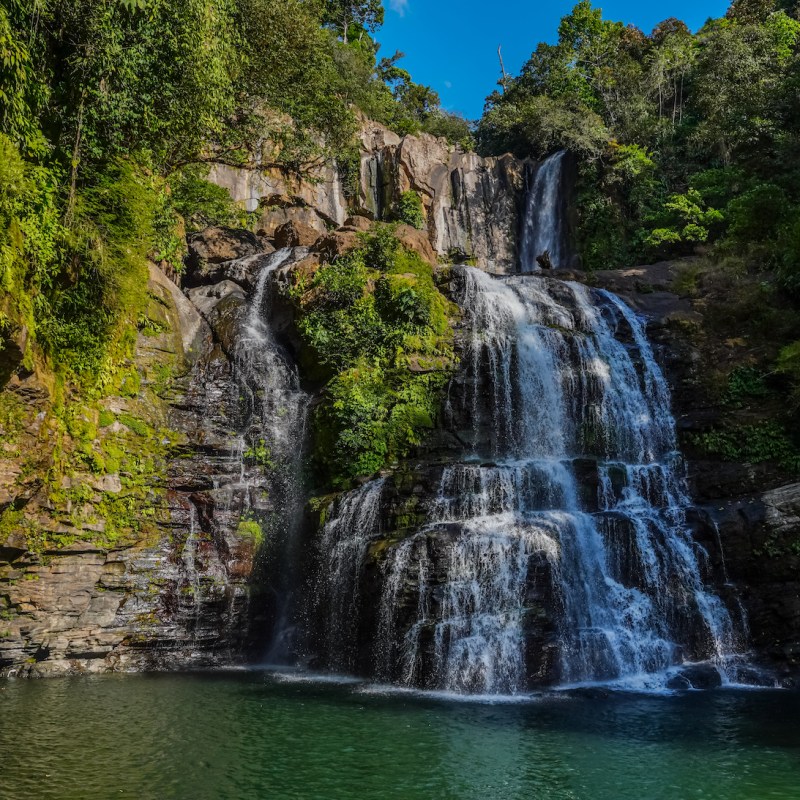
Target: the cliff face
pixel 134 563
pixel 143 561
pixel 471 203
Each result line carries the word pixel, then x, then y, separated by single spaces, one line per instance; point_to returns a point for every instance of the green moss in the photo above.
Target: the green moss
pixel 130 383
pixel 13 415
pixel 10 522
pixel 764 441
pixel 378 335
pixel 137 426
pixel 249 528
pixel 260 454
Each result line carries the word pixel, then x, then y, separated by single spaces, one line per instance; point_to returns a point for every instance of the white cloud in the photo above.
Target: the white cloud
pixel 399 6
pixel 448 85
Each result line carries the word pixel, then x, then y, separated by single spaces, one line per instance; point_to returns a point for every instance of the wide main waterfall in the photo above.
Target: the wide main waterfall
pixel 556 548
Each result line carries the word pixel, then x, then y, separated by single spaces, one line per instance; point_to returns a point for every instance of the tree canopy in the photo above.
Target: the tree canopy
pixel 676 133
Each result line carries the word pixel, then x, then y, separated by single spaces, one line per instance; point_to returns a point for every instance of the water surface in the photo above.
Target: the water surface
pixel 255 736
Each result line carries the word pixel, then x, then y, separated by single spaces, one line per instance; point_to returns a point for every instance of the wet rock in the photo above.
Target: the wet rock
pixel 696 676
pixel 243 271
pixel 13 343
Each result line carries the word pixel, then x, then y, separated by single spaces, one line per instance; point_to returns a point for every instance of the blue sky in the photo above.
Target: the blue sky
pixel 451 45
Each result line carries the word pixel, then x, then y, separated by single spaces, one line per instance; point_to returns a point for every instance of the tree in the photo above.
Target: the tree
pixel 365 15
pixel 740 73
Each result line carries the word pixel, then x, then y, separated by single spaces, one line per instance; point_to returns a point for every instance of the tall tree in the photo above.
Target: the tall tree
pixel 365 15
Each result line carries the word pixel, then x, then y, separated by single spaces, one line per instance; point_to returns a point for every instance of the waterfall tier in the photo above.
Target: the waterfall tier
pixel 542 230
pixel 273 409
pixel 557 549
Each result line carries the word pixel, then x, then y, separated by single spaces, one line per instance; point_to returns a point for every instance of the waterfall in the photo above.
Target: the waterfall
pixel 273 411
pixel 346 539
pixel 558 549
pixel 542 220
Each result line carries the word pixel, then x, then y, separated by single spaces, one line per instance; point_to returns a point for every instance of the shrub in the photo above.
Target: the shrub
pixel 409 210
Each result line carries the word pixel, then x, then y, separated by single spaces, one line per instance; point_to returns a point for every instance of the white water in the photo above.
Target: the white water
pixel 268 377
pixel 274 410
pixel 542 222
pixel 345 541
pixel 553 391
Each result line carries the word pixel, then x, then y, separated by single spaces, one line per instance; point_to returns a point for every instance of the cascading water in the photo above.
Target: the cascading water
pixel 542 231
pixel 566 558
pixel 273 410
pixel 345 542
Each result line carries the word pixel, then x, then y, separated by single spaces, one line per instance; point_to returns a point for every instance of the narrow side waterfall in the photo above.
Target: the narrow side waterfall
pixel 557 549
pixel 273 412
pixel 542 234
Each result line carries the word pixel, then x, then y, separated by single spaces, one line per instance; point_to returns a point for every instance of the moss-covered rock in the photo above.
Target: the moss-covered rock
pixel 377 334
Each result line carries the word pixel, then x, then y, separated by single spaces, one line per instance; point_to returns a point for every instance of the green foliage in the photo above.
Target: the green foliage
pixel 683 140
pixel 745 384
pixel 452 127
pixel 260 454
pixel 789 365
pixel 250 528
pixel 765 441
pixel 683 220
pixel 201 203
pixel 539 125
pixel 378 333
pixel 409 210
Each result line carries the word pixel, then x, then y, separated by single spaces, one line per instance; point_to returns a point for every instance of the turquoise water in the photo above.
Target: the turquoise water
pixel 253 736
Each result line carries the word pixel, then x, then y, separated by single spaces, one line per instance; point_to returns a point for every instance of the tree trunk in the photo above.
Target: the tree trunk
pixel 76 158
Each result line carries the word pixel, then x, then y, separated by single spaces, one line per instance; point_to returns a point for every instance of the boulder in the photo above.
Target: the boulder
pixel 357 223
pixel 696 676
pixel 336 243
pixel 217 244
pixel 222 306
pixel 305 268
pixel 244 271
pixel 274 216
pixel 295 234
pixel 417 241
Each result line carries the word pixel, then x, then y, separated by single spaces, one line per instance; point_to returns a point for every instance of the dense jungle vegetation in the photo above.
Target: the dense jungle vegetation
pixel 111 112
pixel 378 335
pixel 683 139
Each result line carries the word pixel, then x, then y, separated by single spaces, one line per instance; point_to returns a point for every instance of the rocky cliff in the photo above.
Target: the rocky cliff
pixel 119 550
pixel 471 203
pixel 140 553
